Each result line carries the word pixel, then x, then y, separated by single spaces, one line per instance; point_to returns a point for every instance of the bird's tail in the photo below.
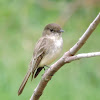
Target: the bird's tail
pixel 24 82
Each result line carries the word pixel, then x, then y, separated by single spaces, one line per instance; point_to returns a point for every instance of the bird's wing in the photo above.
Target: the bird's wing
pixel 39 52
pixel 37 56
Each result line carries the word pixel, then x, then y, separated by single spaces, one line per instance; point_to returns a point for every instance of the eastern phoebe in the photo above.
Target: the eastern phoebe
pixel 47 49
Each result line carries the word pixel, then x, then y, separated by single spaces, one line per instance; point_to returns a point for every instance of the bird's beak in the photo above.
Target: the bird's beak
pixel 61 30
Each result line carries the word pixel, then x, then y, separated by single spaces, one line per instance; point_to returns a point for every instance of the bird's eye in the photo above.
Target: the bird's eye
pixel 51 30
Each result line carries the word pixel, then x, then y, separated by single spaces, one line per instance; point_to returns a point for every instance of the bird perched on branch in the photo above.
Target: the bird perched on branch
pixel 47 49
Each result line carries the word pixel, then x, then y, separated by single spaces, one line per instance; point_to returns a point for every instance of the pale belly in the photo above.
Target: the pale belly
pixel 52 54
pixel 50 57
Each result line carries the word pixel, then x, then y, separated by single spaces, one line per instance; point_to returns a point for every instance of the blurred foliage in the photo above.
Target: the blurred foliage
pixel 21 25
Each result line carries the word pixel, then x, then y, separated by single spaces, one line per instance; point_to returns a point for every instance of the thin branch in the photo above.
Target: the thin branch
pixel 83 55
pixel 85 36
pixel 64 59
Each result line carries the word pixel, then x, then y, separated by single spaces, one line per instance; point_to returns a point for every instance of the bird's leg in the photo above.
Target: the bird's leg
pixel 46 66
pixel 46 69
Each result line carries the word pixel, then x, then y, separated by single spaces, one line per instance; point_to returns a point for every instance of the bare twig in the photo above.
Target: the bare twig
pixel 66 58
pixel 83 55
pixel 85 36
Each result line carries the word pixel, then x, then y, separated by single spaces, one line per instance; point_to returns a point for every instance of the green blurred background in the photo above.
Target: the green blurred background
pixel 21 25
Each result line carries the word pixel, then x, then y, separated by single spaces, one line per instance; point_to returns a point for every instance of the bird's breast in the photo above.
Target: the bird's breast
pixel 53 52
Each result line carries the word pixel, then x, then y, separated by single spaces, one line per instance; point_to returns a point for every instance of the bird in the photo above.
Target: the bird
pixel 46 50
